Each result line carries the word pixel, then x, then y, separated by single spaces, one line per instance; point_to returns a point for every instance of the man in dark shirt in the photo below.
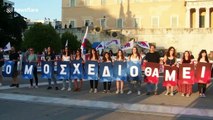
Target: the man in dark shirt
pixel 154 57
pixel 1 64
pixel 50 56
pixel 14 56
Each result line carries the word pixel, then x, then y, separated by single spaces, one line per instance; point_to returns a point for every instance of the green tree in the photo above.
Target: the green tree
pixel 40 36
pixel 73 42
pixel 12 25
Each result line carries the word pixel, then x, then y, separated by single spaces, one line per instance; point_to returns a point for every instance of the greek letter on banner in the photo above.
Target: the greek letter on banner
pixel 151 72
pixel 106 72
pixel 47 69
pixel 170 76
pixel 27 70
pixel 119 70
pixel 186 73
pixel 63 70
pixel 134 70
pixel 8 69
pixel 76 69
pixel 91 70
pixel 203 72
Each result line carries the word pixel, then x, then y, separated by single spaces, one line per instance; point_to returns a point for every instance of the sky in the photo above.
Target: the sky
pixel 39 9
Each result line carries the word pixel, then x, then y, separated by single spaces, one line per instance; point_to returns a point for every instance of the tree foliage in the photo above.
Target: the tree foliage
pixel 12 25
pixel 73 42
pixel 40 36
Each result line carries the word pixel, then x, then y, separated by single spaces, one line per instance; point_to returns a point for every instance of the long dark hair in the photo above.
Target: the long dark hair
pixel 78 50
pixel 189 57
pixel 122 56
pixel 168 52
pixel 104 58
pixel 138 55
pixel 64 53
pixel 200 56
pixel 91 55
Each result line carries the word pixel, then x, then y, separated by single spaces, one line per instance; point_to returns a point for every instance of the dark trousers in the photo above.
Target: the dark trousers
pixel 35 76
pixel 105 85
pixel 202 88
pixel 91 84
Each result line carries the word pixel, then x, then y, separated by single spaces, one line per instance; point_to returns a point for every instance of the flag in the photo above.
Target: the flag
pixel 143 44
pixel 66 45
pixel 128 45
pixel 113 42
pixel 7 47
pixel 83 44
pixel 101 46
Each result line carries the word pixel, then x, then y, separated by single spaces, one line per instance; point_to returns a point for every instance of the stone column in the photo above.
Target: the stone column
pixel 197 17
pixel 207 18
pixel 188 20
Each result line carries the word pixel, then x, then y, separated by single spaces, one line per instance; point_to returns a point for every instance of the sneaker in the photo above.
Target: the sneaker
pixel 183 94
pixel 139 92
pixel 167 93
pixel 12 85
pixel 155 93
pixel 148 93
pixel 49 88
pixel 0 84
pixel 203 95
pixel 130 92
pixel 63 88
pixel 187 95
pixel 121 91
pixel 36 86
pixel 17 85
pixel 104 91
pixel 69 89
pixel 95 91
pixel 91 90
pixel 117 91
pixel 172 94
pixel 56 88
pixel 200 95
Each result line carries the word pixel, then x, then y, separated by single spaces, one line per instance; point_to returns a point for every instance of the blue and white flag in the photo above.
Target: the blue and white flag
pixel 27 70
pixel 106 72
pixel 91 70
pixel 76 69
pixel 8 69
pixel 120 70
pixel 134 70
pixel 47 69
pixel 63 70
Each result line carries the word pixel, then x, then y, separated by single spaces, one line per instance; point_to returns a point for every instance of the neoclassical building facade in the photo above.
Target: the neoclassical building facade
pixel 179 23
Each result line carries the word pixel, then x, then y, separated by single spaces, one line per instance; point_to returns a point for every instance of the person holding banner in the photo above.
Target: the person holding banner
pixel 78 57
pixel 134 57
pixel 33 58
pixel 107 85
pixel 93 57
pixel 185 89
pixel 50 56
pixel 66 57
pixel 14 56
pixel 202 58
pixel 120 83
pixel 170 60
pixel 154 57
pixel 1 64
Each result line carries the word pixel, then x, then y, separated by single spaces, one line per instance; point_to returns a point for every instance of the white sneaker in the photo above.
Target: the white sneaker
pixel 62 89
pixel 171 94
pixel 117 92
pixel 130 92
pixel 121 91
pixel 167 93
pixel 139 92
pixel 91 90
pixel 203 95
pixel 182 94
pixel 187 95
pixel 95 90
pixel 69 89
